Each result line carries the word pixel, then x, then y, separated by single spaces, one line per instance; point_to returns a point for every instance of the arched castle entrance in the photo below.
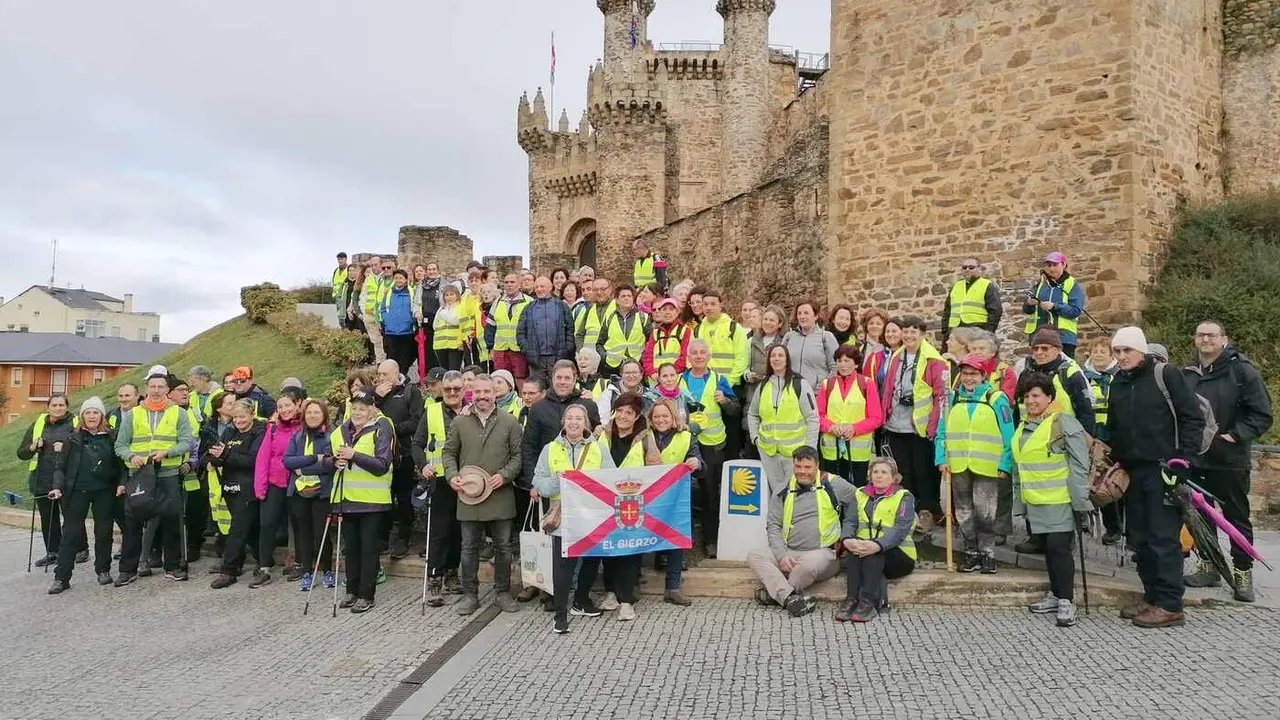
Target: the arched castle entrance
pixel 581 241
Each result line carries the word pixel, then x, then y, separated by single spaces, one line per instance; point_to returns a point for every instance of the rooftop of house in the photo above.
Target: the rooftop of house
pixel 80 299
pixel 20 348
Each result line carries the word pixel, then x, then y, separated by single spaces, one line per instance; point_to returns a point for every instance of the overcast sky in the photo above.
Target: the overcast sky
pixel 181 149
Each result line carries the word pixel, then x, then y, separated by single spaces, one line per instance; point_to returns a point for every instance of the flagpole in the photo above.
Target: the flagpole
pixel 551 117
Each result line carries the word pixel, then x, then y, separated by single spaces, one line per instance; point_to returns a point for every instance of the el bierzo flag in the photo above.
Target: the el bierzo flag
pixel 626 511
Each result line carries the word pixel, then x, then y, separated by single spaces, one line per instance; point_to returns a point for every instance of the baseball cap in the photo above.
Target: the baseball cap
pixel 290 382
pixel 1056 257
pixel 974 361
pixel 158 371
pixel 244 372
pixel 363 396
pixel 435 374
pixel 666 301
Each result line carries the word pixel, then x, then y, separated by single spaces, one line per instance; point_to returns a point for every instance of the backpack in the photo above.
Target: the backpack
pixel 1206 411
pixel 142 495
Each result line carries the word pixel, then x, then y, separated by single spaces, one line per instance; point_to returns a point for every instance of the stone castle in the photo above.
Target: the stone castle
pixel 934 130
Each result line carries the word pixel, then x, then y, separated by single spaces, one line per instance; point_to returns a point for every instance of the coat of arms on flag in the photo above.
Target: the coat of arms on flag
pixel 606 513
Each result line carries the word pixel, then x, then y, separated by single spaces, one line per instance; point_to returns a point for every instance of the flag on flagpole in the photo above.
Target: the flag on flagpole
pixel 553 57
pixel 635 25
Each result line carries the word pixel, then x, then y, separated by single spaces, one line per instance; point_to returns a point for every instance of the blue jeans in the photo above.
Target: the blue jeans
pixel 1153 529
pixel 675 566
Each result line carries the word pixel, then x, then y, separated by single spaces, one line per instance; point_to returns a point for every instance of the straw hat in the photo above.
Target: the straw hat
pixel 475 485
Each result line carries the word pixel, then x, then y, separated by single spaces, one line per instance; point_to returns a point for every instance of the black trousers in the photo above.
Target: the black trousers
pixel 197 516
pixel 168 527
pixel 77 505
pixel 562 579
pixel 853 471
pixel 50 523
pixel 403 349
pixel 1153 529
pixel 920 476
pixel 709 492
pixel 246 518
pixel 361 540
pixel 309 518
pixel 449 359
pixel 866 576
pixel 1060 563
pixel 444 543
pixel 621 575
pixel 1113 516
pixel 272 511
pixel 1231 488
pixel 402 484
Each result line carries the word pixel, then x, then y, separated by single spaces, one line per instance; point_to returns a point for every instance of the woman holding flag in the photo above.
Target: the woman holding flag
pixel 677 445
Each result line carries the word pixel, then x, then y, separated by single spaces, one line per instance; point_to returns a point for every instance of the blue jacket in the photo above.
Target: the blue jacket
pixel 397 316
pixel 970 401
pixel 299 464
pixel 1069 306
pixel 546 330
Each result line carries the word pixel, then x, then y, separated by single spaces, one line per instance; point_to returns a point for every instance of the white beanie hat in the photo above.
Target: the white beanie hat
pixel 93 403
pixel 507 377
pixel 1130 337
pixel 159 371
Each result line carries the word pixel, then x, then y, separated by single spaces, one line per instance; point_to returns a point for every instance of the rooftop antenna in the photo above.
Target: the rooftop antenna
pixel 53 269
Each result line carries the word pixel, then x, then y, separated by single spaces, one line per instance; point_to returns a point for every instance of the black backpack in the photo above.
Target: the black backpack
pixel 141 493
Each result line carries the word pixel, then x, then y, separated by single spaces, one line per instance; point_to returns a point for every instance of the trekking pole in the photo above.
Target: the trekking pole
pixel 946 479
pixel 426 561
pixel 337 544
pixel 182 525
pixel 1084 576
pixel 31 543
pixel 328 520
pixel 55 518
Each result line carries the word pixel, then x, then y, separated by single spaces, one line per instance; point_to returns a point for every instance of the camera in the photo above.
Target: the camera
pixel 696 407
pixel 906 400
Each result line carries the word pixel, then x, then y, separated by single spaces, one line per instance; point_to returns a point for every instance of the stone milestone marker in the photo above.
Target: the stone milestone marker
pixel 744 506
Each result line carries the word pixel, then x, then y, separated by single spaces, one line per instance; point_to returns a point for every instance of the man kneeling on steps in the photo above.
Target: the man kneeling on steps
pixel 804 529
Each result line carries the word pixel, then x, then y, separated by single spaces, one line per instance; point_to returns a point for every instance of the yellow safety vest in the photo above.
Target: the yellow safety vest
pixel 165 435
pixel 468 311
pixel 513 408
pixel 921 390
pixel 620 346
pixel 359 485
pixel 300 481
pixel 720 337
pixel 885 515
pixel 384 301
pixel 1061 323
pixel 666 345
pixel 558 459
pixel 847 410
pixel 1101 402
pixel 974 442
pixel 1061 400
pixel 968 303
pixel 711 430
pixel 597 389
pixel 372 291
pixel 782 426
pixel 192 482
pixel 635 456
pixel 506 318
pixel 436 434
pixel 643 273
pixel 37 431
pixel 218 504
pixel 1042 473
pixel 678 449
pixel 477 331
pixel 339 279
pixel 448 335
pixel 593 321
pixel 828 513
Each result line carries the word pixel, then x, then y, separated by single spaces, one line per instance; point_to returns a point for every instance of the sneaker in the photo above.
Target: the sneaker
pixel 1066 613
pixel 1204 576
pixel 1156 617
pixel 799 604
pixel 347 601
pixel 1047 604
pixel 988 565
pixel 1111 538
pixel 361 606
pixel 125 578
pixel 847 610
pixel 626 612
pixel 82 557
pixel 676 597
pixel 306 582
pixel 548 603
pixel 1129 612
pixel 223 581
pixel 178 575
pixel 452 584
pixel 561 626
pixel 1244 586
pixel 435 592
pixel 1033 546
pixel 865 612
pixel 924 521
pixel 972 563
pixel 764 598
pixel 528 594
pixel 586 609
pixel 506 603
pixel 399 550
pixel 216 570
pixel 104 578
pixel 260 577
pixel 329 580
pixel 295 574
pixel 711 551
pixel 382 577
pixel 144 571
pixel 610 602
pixel 467 605
pixel 58 586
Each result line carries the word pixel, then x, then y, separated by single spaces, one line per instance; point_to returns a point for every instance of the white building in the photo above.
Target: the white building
pixel 44 309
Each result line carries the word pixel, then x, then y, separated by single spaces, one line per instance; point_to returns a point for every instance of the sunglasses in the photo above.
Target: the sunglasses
pixel 968 267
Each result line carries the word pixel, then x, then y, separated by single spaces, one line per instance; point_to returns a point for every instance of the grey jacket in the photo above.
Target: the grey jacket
pixel 808 407
pixel 124 437
pixel 547 483
pixel 887 538
pixel 805 534
pixel 1057 518
pixel 812 354
pixel 494 446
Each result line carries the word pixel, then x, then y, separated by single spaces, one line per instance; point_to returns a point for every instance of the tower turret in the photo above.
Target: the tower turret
pixel 626 37
pixel 745 91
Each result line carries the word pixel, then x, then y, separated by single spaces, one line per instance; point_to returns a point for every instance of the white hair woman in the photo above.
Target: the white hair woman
pixel 877 535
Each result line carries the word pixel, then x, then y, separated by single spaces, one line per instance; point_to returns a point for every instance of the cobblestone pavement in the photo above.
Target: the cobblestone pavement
pixel 159 649
pixel 732 659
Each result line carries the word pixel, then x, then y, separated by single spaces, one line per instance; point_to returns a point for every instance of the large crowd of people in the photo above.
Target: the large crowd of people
pixel 481 391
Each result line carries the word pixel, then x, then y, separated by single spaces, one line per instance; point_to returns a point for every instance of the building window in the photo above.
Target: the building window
pixel 15 377
pixel 24 328
pixel 115 331
pixel 142 334
pixel 95 328
pixel 99 374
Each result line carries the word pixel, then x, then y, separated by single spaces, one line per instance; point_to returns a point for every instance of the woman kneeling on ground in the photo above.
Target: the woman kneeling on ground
pixel 878 537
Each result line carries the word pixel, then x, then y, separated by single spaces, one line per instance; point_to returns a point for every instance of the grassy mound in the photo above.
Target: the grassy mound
pixel 272 356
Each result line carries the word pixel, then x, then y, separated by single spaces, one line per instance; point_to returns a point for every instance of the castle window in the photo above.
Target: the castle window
pixel 587 251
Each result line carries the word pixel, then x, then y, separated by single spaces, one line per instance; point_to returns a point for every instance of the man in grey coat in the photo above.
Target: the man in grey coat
pixel 490 440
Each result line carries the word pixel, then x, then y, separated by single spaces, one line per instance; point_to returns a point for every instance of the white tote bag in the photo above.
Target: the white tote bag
pixel 536 560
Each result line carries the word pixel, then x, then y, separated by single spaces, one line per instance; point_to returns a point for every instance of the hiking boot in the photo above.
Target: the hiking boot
pixel 1066 613
pixel 1111 538
pixel 215 570
pixel 586 609
pixel 846 611
pixel 506 603
pixel 176 575
pixel 626 612
pixel 561 626
pixel 361 606
pixel 382 577
pixel 1204 576
pixel 676 597
pixel 467 605
pixel 58 586
pixel 222 581
pixel 452 584
pixel 306 582
pixel 764 598
pixel 1034 545
pixel 972 563
pixel 144 571
pixel 528 594
pixel 347 601
pixel 260 577
pixel 609 603
pixel 125 578
pixel 104 578
pixel 924 521
pixel 399 550
pixel 711 551
pixel 1047 604
pixel 295 574
pixel 329 579
pixel 1244 586
pixel 82 557
pixel 1129 612
pixel 799 604
pixel 1156 617
pixel 865 612
pixel 988 565
pixel 435 592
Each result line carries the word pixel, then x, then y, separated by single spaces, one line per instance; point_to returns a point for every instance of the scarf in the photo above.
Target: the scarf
pixel 842 336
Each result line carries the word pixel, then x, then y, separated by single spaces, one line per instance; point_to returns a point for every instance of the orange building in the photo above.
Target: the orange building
pixel 34 366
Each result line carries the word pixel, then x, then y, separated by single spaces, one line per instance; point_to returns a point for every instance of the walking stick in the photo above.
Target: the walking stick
pixel 948 518
pixel 55 517
pixel 426 561
pixel 337 545
pixel 328 520
pixel 1084 576
pixel 31 543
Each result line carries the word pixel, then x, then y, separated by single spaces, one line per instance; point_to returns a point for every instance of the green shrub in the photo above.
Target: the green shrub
pixel 262 300
pixel 341 347
pixel 317 292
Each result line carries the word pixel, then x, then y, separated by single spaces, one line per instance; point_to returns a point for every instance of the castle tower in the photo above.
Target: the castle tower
pixel 622 62
pixel 745 91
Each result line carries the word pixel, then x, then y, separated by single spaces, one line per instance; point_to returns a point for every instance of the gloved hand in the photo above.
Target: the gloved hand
pixel 1175 470
pixel 1083 521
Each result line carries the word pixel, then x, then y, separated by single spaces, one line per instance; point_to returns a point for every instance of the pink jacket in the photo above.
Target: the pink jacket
pixel 935 372
pixel 269 467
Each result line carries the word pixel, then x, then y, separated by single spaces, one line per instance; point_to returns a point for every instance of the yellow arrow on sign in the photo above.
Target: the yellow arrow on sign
pixel 745 508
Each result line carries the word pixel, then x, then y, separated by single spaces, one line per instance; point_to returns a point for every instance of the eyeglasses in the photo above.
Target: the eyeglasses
pixel 452 389
pixel 968 267
pixel 1207 335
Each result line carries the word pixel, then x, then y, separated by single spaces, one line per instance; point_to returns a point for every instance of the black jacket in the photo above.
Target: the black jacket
pixel 1139 424
pixel 85 451
pixel 236 466
pixel 990 301
pixel 403 407
pixel 1076 385
pixel 545 420
pixel 1241 407
pixel 418 447
pixel 41 481
pixel 265 404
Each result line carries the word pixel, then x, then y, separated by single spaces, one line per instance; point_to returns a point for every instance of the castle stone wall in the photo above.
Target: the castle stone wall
pixel 420 244
pixel 1250 76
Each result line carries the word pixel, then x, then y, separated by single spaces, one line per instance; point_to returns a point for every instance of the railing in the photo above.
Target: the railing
pixel 813 62
pixel 46 390
pixel 687 46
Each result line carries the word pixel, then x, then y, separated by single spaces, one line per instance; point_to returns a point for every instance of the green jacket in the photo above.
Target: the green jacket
pixel 494 446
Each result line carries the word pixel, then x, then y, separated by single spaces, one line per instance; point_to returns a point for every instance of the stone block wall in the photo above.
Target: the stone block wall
pixel 443 245
pixel 1250 76
pixel 502 265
